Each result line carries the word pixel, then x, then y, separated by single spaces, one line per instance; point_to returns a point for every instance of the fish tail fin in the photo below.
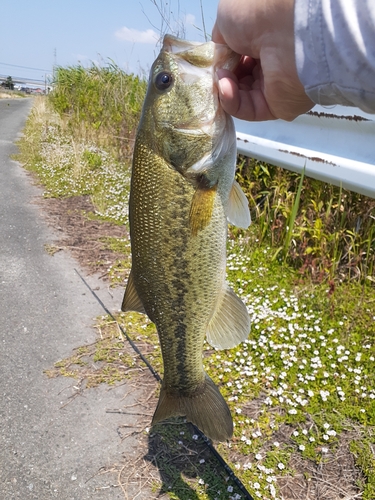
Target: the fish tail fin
pixel 206 408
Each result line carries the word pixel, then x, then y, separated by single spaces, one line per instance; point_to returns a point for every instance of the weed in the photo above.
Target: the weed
pixel 104 361
pixel 365 459
pixel 324 231
pixel 102 103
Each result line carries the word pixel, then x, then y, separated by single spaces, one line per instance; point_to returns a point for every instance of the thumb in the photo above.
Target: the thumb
pixel 217 37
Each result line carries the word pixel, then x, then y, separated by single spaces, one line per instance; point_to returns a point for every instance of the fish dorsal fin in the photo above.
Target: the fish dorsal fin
pixel 131 301
pixel 230 323
pixel 238 212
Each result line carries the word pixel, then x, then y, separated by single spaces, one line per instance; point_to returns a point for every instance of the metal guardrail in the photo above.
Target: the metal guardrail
pixel 335 145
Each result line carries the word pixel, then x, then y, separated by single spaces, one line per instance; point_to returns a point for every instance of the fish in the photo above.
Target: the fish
pixel 182 196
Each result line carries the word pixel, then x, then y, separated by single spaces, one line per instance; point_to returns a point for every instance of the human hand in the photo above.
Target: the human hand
pixel 265 85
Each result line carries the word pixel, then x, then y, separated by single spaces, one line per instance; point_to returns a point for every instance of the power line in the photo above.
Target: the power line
pixel 21 79
pixel 24 67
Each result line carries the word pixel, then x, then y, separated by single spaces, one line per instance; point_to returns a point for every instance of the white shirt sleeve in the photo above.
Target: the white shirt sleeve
pixel 335 51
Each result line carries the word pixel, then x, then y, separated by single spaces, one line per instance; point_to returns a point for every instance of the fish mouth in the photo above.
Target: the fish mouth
pixel 206 125
pixel 197 54
pixel 210 54
pixel 225 58
pixel 175 45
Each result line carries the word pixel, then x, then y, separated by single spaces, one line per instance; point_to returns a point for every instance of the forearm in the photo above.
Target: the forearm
pixel 335 51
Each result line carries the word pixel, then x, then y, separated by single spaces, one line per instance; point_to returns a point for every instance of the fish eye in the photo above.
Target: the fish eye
pixel 163 81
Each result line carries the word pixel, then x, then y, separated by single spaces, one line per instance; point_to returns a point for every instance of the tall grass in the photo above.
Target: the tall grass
pixel 322 230
pixel 99 103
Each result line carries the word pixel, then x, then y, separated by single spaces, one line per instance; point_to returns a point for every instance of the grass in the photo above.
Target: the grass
pixel 105 361
pixel 302 387
pixel 102 103
pixel 68 167
pixel 11 94
pixel 323 231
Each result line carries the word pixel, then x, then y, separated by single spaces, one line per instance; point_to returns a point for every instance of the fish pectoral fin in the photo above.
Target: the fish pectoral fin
pixel 206 408
pixel 238 212
pixel 201 208
pixel 230 323
pixel 131 300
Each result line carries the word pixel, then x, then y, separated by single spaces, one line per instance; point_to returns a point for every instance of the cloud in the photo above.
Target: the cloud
pixel 190 19
pixel 80 57
pixel 133 35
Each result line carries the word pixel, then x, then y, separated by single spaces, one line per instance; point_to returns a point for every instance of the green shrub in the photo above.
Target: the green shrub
pixel 99 103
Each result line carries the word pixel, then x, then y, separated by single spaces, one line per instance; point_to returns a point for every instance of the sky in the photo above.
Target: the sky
pixel 35 35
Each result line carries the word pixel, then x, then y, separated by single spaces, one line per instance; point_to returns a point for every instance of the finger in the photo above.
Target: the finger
pixel 217 37
pixel 245 67
pixel 225 73
pixel 246 83
pixel 257 85
pixel 243 104
pixel 257 71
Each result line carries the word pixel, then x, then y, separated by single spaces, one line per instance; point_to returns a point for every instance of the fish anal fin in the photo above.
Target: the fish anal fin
pixel 206 408
pixel 131 300
pixel 238 212
pixel 230 323
pixel 201 209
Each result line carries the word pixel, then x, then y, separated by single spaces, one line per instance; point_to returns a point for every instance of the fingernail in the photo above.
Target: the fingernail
pixel 220 86
pixel 220 73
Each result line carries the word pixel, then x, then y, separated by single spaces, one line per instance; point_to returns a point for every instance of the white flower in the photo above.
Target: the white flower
pixel 281 466
pixel 324 395
pixel 301 447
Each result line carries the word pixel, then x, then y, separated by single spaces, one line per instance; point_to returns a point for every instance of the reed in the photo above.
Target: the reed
pixel 100 104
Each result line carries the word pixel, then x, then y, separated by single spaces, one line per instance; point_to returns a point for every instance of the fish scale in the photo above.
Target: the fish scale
pixel 188 270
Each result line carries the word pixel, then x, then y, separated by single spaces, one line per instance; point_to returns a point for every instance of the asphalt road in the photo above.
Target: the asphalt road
pixel 45 311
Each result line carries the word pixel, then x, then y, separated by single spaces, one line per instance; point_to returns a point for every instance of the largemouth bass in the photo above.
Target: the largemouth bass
pixel 182 195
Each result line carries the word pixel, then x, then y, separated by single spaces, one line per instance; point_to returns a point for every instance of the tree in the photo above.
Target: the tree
pixel 9 83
